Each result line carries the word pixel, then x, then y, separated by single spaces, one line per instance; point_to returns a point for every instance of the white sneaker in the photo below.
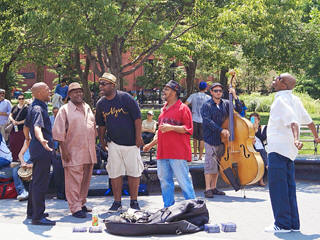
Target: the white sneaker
pixel 195 158
pixel 276 229
pixel 23 196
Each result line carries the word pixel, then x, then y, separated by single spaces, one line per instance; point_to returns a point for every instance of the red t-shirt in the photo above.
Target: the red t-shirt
pixel 173 145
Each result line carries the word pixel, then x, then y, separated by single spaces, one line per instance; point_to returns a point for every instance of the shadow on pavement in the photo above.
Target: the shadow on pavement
pixel 38 230
pixel 297 235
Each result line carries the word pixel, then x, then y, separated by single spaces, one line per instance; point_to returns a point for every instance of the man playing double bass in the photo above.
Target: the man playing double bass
pixel 213 113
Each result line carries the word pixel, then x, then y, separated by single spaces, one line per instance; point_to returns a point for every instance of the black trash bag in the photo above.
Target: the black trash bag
pixel 188 216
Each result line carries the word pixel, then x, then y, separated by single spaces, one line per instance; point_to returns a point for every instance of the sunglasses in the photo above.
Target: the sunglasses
pixel 1 93
pixel 20 98
pixel 281 80
pixel 277 78
pixel 102 83
pixel 217 90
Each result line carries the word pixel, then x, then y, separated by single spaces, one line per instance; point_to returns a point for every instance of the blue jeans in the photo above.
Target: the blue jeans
pixel 282 190
pixel 166 169
pixel 4 162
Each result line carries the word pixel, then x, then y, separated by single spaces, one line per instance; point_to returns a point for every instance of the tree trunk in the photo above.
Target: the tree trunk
pixel 116 62
pixel 83 76
pixel 223 77
pixel 40 73
pixel 191 73
pixel 4 83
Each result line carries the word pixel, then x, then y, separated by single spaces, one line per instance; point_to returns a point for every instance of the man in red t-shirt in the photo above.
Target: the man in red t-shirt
pixel 174 150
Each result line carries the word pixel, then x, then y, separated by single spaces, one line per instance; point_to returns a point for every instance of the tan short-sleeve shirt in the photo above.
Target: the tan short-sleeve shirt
pixel 76 127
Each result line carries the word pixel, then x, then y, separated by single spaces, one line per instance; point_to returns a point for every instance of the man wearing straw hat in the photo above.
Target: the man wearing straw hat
pixel 118 115
pixel 75 130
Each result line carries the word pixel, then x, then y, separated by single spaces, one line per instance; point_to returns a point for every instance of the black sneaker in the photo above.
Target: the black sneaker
pixel 208 193
pixel 218 192
pixel 86 209
pixel 134 204
pixel 116 207
pixel 79 214
pixel 45 215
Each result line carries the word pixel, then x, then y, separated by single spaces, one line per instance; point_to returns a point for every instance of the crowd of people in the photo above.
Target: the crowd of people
pixel 67 140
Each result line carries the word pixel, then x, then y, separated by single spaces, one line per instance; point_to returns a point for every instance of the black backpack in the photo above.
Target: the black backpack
pixel 188 216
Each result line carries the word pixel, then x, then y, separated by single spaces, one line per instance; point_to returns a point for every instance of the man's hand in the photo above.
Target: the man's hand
pixel 317 140
pixel 225 133
pixel 298 144
pixel 139 141
pixel 104 145
pixel 147 147
pixel 44 143
pixel 233 92
pixel 165 127
pixel 65 156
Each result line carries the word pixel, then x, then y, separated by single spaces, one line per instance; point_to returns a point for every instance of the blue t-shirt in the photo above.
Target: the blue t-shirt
pixel 118 115
pixel 63 91
pixel 38 116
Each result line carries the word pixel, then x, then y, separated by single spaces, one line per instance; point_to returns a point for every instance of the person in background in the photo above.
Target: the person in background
pixel 5 154
pixel 17 117
pixel 260 138
pixel 25 162
pixel 6 162
pixel 149 127
pixel 244 109
pixel 5 110
pixel 174 150
pixel 197 100
pixel 286 114
pixel 62 89
pixel 56 100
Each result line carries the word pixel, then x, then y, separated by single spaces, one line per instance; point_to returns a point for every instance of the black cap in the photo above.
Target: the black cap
pixel 216 84
pixel 174 86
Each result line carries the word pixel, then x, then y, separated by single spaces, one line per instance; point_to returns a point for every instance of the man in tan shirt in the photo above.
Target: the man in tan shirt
pixel 75 130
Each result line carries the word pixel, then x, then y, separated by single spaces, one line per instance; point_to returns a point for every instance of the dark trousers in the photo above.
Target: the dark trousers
pixel 58 175
pixel 147 137
pixel 282 190
pixel 39 185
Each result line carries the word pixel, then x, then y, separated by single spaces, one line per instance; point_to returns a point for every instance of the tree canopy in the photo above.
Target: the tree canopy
pixel 205 37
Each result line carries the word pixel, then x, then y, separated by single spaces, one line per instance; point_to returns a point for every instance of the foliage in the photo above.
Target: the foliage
pixel 157 73
pixel 259 103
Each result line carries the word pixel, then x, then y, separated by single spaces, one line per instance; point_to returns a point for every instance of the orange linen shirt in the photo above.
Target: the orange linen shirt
pixel 76 127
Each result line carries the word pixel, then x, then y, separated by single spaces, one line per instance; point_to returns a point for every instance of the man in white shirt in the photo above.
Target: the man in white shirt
pixel 197 100
pixel 286 114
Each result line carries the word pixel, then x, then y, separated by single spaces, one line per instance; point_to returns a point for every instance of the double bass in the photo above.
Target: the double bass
pixel 240 165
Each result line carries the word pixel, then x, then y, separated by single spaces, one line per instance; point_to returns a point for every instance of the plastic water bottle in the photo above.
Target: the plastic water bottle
pixel 95 217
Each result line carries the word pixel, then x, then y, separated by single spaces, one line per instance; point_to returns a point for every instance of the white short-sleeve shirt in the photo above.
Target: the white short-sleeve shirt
pixel 285 109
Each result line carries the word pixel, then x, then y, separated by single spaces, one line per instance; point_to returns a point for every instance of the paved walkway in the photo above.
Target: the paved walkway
pixel 251 214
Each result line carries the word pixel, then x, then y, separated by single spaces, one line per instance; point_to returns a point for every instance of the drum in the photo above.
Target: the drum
pixel 25 173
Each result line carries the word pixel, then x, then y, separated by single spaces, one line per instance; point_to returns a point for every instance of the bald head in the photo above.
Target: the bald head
pixel 41 91
pixel 289 80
